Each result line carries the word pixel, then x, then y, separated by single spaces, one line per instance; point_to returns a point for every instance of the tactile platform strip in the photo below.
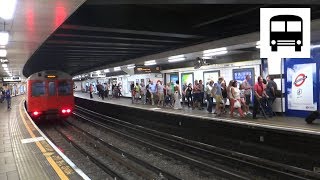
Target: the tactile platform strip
pixel 30 161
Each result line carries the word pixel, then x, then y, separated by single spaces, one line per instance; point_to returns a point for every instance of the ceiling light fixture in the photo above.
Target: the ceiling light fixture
pixel 214 50
pixel 131 66
pixel 4 65
pixel 106 70
pixel 6 69
pixel 150 63
pixel 98 72
pixel 177 59
pixel 117 69
pixel 3 53
pixel 215 53
pixel 177 56
pixel 7 8
pixel 4 38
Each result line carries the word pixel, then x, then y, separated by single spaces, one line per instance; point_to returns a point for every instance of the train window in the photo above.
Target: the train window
pixel 38 88
pixel 52 89
pixel 64 88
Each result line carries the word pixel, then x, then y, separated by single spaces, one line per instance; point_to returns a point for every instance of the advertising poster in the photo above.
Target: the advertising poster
pixel 186 78
pixel 300 94
pixel 210 75
pixel 174 78
pixel 240 74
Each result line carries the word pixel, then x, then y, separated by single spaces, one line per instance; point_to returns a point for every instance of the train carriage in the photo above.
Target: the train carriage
pixel 50 95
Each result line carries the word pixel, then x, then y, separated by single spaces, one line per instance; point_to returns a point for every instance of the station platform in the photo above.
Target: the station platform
pixel 291 124
pixel 25 152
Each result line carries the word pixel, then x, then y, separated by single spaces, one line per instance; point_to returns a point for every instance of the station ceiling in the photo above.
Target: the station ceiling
pixel 98 34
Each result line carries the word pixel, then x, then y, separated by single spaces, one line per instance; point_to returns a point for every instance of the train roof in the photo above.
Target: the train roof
pixel 49 74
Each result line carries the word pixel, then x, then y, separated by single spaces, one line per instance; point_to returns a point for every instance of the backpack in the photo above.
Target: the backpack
pixel 8 95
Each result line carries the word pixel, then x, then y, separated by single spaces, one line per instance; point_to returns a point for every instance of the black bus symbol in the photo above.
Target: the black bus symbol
pixel 286 30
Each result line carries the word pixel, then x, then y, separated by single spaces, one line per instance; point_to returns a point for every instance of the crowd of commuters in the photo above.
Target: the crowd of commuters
pixel 261 95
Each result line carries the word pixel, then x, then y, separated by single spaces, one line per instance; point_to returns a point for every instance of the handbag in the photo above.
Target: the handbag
pixel 237 104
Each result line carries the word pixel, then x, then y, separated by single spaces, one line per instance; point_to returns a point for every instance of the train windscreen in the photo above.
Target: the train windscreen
pixel 64 88
pixel 38 88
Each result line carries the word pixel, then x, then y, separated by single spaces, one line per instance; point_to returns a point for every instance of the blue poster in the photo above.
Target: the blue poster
pixel 240 74
pixel 174 78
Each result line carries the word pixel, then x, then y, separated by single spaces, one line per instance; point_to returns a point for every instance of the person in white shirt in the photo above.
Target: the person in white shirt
pixel 209 96
pixel 247 89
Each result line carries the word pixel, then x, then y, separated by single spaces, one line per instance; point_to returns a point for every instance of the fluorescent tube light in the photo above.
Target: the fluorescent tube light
pixel 3 53
pixel 4 38
pixel 98 72
pixel 149 63
pixel 216 53
pixel 117 69
pixel 4 65
pixel 214 50
pixel 106 70
pixel 7 8
pixel 6 69
pixel 131 66
pixel 177 59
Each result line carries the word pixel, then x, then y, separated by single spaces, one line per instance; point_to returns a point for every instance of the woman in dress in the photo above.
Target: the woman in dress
pixel 177 104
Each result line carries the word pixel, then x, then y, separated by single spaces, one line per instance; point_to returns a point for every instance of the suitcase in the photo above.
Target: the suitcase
pixel 314 115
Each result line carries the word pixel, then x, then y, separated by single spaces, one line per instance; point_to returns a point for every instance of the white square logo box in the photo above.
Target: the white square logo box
pixel 284 32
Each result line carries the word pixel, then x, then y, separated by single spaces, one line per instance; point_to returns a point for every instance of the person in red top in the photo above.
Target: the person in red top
pixel 258 91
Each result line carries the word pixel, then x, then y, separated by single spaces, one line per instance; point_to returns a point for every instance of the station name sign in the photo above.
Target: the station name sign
pixel 10 79
pixel 146 70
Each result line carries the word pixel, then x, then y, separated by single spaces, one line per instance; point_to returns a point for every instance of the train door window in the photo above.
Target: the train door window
pixel 64 88
pixel 52 88
pixel 38 88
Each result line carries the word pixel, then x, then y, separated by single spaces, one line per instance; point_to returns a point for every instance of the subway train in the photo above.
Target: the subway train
pixel 49 95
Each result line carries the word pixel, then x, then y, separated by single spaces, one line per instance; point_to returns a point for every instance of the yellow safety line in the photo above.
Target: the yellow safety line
pixel 54 165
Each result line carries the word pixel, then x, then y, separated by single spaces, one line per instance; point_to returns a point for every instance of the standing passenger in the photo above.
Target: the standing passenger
pixel 137 92
pixel 153 92
pixel 235 97
pixel 91 90
pixel 224 95
pixel 177 104
pixel 209 96
pixel 201 87
pixel 271 92
pixel 189 95
pixel 218 96
pixel 247 89
pixel 258 92
pixel 160 94
pixel 8 97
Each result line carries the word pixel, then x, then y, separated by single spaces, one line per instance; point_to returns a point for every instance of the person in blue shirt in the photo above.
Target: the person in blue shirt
pixel 8 97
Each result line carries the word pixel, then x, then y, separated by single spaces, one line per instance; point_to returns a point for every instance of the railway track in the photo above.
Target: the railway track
pixel 227 163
